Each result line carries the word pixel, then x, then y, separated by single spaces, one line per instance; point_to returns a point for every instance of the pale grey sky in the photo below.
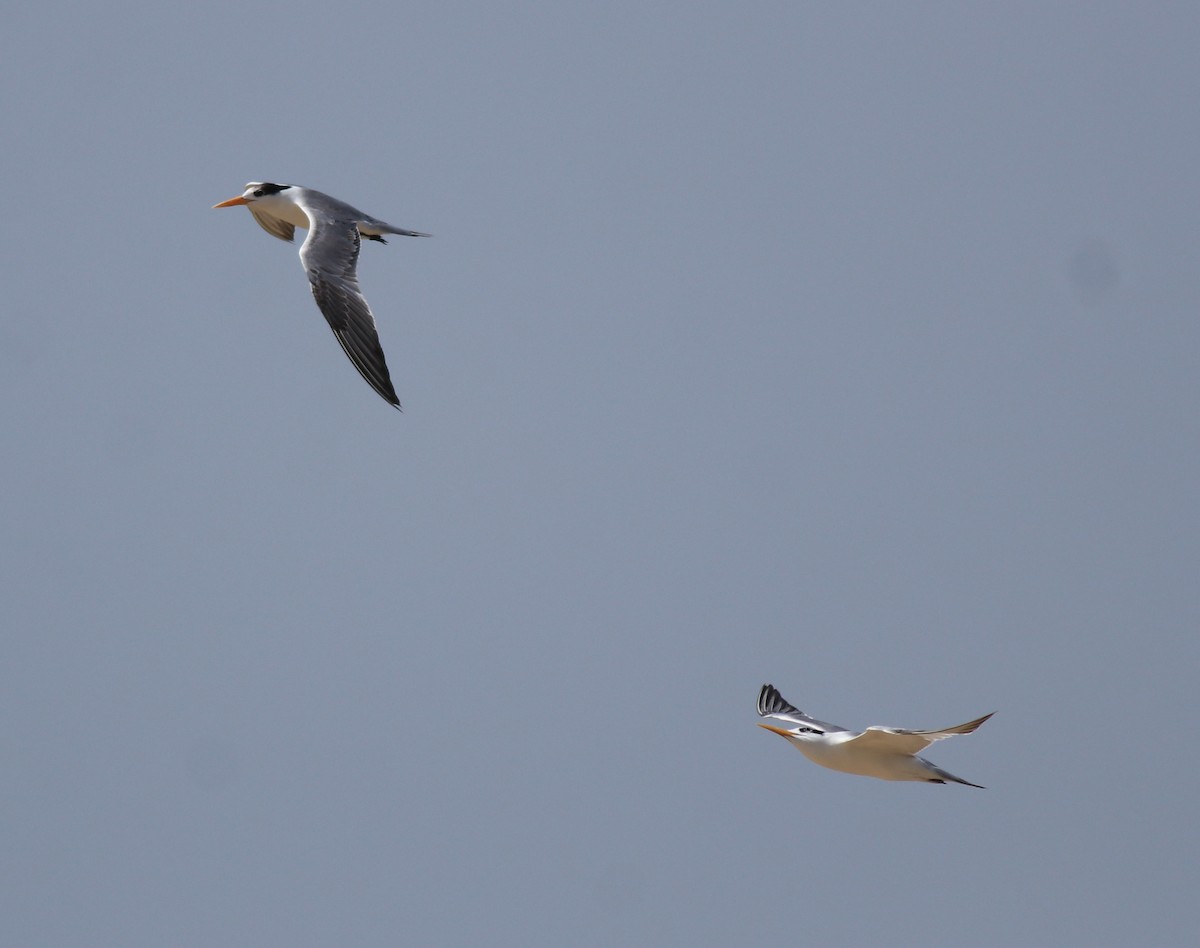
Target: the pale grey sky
pixel 848 347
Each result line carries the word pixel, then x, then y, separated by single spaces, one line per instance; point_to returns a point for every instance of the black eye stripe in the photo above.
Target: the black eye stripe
pixel 268 188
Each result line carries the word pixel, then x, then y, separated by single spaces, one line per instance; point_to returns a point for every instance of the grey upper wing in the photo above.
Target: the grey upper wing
pixel 771 704
pixel 273 225
pixel 330 257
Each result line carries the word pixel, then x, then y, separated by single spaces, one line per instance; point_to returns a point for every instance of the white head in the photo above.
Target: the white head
pixel 257 191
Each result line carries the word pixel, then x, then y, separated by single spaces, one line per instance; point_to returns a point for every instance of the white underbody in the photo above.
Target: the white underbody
pixel 835 755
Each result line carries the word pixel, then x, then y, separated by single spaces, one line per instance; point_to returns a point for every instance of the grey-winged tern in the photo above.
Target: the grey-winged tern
pixel 330 258
pixel 889 753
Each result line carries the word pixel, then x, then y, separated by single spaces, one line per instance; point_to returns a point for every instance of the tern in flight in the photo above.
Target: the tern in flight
pixel 330 258
pixel 889 753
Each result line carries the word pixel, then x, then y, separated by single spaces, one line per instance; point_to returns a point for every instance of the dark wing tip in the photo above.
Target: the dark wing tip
pixel 354 329
pixel 371 366
pixel 770 701
pixel 972 726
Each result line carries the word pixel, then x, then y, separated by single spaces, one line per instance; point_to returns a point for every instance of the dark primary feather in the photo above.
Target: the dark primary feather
pixel 771 702
pixel 335 288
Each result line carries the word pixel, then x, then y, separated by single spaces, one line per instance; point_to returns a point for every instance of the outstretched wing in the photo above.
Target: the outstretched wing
pixel 771 704
pixel 894 740
pixel 330 257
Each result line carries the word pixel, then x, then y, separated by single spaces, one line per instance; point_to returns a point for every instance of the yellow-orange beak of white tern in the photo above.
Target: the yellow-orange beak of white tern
pixel 232 202
pixel 777 730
